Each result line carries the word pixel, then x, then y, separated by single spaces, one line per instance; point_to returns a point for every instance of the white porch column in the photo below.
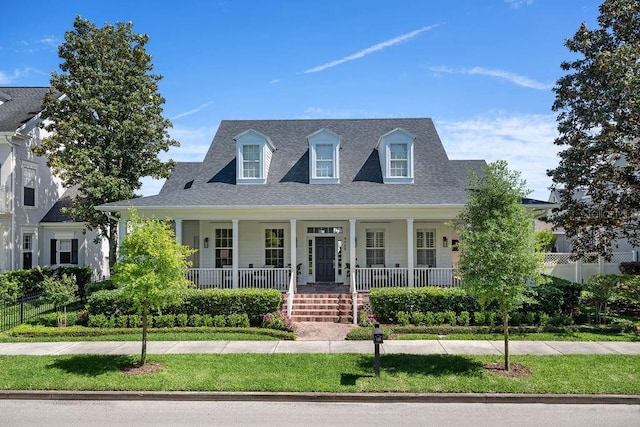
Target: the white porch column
pixel 410 260
pixel 352 247
pixel 178 225
pixel 235 253
pixel 293 238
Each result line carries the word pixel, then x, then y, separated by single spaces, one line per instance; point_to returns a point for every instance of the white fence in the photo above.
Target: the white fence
pixel 381 277
pixel 264 278
pixel 561 265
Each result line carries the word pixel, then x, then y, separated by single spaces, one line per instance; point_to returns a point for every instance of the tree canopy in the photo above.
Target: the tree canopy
pixel 497 258
pixel 151 269
pixel 598 105
pixel 104 117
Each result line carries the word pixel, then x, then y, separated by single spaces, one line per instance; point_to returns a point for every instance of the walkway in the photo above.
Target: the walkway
pixel 389 347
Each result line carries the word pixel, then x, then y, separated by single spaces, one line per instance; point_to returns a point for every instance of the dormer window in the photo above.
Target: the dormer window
pixel 324 159
pixel 254 151
pixel 396 156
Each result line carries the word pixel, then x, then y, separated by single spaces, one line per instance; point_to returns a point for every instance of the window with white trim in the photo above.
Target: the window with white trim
pixel 29 175
pixel 426 248
pixel 64 251
pixel 251 161
pixel 224 247
pixel 274 247
pixel 398 160
pixel 324 157
pixel 375 247
pixel 27 251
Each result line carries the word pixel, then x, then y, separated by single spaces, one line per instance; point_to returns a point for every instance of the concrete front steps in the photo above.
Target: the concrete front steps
pixel 336 308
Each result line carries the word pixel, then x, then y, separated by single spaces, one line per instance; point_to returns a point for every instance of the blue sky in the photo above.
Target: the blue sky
pixel 483 70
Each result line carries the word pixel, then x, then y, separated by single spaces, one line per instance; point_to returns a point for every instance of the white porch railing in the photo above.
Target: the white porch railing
pixel 222 278
pixel 381 277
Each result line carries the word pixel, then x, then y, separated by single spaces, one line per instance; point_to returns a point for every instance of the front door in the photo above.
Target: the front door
pixel 325 255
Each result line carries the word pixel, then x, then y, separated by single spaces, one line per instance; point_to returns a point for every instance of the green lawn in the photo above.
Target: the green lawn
pixel 583 374
pixel 541 336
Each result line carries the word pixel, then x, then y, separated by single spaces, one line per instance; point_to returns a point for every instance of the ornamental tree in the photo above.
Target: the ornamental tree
pixel 598 105
pixel 498 261
pixel 104 115
pixel 151 269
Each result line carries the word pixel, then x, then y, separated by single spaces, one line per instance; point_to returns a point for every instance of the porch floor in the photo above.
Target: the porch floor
pixel 323 288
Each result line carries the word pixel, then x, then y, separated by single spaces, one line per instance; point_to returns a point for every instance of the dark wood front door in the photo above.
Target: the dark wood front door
pixel 325 255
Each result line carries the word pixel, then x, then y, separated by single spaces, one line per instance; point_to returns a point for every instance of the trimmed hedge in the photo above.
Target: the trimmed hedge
pixel 254 302
pixel 31 281
pixel 556 296
pixel 387 302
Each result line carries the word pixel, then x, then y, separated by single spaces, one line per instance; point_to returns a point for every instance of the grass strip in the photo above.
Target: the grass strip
pixel 583 374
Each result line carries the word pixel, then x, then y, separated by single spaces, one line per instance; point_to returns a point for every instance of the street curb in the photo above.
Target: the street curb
pixel 589 399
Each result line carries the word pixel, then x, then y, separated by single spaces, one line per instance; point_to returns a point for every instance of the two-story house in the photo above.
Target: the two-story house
pixel 34 231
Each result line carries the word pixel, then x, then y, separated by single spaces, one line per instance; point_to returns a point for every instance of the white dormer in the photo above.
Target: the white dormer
pixel 324 157
pixel 254 151
pixel 395 150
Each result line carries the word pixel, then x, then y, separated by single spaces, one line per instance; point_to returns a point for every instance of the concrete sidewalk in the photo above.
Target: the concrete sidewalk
pixel 389 347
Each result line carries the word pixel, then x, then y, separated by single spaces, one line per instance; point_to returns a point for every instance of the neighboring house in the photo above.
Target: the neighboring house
pixel 364 203
pixel 33 229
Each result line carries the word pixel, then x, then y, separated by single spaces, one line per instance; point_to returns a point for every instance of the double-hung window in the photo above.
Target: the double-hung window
pixel 29 174
pixel 399 160
pixel 426 248
pixel 324 160
pixel 375 247
pixel 324 157
pixel 27 251
pixel 251 161
pixel 64 251
pixel 224 247
pixel 274 247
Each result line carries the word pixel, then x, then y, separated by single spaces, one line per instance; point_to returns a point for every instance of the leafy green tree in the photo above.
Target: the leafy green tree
pixel 8 289
pixel 544 240
pixel 497 258
pixel 598 105
pixel 151 269
pixel 107 129
pixel 60 292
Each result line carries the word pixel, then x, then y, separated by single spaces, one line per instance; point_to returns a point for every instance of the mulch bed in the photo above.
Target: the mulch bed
pixel 146 369
pixel 515 370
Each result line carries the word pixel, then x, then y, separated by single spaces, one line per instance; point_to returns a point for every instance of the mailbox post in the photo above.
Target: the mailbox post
pixel 378 338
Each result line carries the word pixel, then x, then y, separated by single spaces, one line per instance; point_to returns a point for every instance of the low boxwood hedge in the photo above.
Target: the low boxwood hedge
pixel 254 302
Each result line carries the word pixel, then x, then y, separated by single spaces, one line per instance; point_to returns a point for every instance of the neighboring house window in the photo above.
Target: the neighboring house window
pixel 64 251
pixel 426 248
pixel 395 150
pixel 324 157
pixel 274 247
pixel 224 247
pixel 27 251
pixel 399 160
pixel 375 247
pixel 250 161
pixel 29 185
pixel 254 152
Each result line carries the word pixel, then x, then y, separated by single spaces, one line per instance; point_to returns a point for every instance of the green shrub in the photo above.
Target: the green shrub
pixel 543 319
pixel 51 319
pixel 429 318
pixel 450 317
pixel 530 318
pixel 121 321
pixel 632 267
pixel 464 319
pixel 417 318
pixel 207 320
pixel 219 321
pixel 182 320
pixel 98 321
pixel 238 320
pixel 478 318
pixel 516 318
pixel 560 320
pixel 440 317
pixel 196 320
pixel 164 321
pixel 490 318
pixel 105 285
pixel 134 321
pixel 365 319
pixel 402 318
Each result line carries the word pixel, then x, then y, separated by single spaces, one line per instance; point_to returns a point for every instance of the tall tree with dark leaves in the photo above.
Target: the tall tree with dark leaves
pixel 107 129
pixel 598 106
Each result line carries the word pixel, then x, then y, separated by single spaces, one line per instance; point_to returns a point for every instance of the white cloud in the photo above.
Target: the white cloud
pixel 52 41
pixel 274 81
pixel 8 78
pixel 517 3
pixel 190 112
pixel 524 141
pixel 368 51
pixel 500 74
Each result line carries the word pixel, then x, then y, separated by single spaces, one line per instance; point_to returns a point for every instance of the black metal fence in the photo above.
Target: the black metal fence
pixel 22 310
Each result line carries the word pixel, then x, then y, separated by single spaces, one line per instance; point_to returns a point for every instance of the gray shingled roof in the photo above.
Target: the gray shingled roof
pixel 437 180
pixel 24 103
pixel 56 213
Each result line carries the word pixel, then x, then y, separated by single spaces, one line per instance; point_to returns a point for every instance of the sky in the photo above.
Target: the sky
pixel 483 70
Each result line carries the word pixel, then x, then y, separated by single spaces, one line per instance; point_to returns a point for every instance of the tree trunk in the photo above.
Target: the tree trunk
pixel 145 317
pixel 505 326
